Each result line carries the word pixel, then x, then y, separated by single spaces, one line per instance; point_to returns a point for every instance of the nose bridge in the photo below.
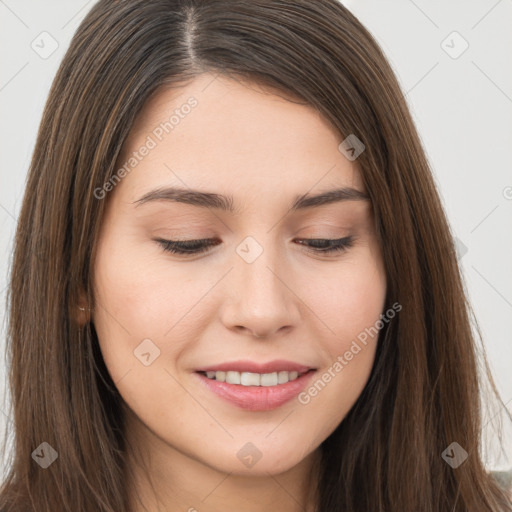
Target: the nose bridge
pixel 260 300
pixel 258 264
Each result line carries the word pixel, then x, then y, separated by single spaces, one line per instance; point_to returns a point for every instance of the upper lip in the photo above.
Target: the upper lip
pixel 253 367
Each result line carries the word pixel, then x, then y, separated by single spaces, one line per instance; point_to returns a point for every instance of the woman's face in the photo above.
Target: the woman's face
pixel 260 294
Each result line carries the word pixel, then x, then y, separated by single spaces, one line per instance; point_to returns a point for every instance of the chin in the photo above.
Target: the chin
pixel 249 460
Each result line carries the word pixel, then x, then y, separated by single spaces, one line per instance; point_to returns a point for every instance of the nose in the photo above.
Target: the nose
pixel 260 299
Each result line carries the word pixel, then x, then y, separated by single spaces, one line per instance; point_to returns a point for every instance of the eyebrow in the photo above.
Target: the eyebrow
pixel 226 203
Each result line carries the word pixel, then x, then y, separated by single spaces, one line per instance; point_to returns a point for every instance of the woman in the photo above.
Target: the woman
pixel 234 285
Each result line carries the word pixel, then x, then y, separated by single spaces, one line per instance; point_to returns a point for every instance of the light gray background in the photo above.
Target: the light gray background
pixel 462 105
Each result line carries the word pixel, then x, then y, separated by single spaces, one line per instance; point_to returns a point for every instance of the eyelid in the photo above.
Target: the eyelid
pixel 198 246
pixel 173 246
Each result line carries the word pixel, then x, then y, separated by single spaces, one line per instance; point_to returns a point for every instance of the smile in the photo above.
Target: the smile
pixel 253 379
pixel 254 391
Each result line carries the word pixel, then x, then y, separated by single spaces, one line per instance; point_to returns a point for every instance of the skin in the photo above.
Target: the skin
pixel 290 303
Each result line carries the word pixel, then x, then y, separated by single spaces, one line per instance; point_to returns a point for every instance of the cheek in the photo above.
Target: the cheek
pixel 349 299
pixel 139 287
pixel 140 298
pixel 350 304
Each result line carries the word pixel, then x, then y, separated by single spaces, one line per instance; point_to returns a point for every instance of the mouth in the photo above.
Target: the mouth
pixel 254 379
pixel 254 391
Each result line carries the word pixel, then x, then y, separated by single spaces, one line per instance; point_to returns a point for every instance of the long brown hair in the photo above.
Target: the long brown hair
pixel 423 392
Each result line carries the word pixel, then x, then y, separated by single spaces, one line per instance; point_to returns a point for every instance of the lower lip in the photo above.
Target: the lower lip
pixel 257 398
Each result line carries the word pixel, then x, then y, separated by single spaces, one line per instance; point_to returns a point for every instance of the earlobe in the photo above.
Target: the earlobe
pixel 82 311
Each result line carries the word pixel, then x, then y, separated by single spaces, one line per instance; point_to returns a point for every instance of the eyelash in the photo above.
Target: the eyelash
pixel 187 247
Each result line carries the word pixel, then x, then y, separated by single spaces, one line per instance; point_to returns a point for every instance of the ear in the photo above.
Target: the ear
pixel 82 311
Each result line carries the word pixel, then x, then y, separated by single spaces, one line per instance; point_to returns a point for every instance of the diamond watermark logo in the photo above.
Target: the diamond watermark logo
pixel 146 352
pixel 454 455
pixel 45 455
pixel 460 248
pixel 249 455
pixel 454 45
pixel 44 45
pixel 249 249
pixel 351 147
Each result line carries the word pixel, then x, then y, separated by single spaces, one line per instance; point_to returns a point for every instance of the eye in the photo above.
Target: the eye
pixel 317 245
pixel 186 246
pixel 327 245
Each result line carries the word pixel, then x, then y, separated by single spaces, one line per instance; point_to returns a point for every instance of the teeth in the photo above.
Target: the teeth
pixel 233 377
pixel 253 379
pixel 268 379
pixel 249 379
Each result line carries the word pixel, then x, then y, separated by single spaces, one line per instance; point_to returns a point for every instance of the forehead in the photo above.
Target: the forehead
pixel 215 131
